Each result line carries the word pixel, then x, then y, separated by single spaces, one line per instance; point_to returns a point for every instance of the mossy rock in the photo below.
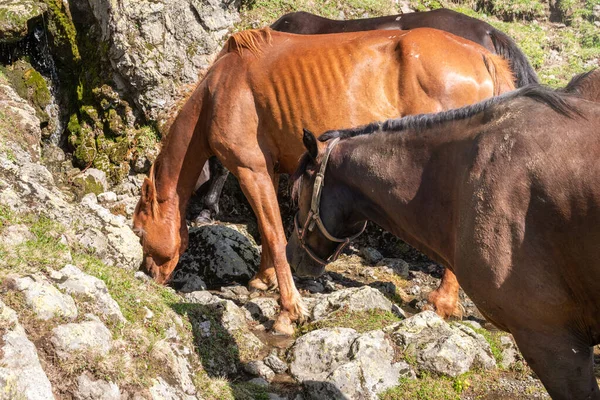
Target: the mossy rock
pixel 30 85
pixel 16 16
pixel 91 181
pixel 84 146
pixel 115 123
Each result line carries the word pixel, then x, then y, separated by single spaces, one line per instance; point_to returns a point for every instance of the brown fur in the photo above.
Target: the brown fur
pixel 250 109
pixel 506 194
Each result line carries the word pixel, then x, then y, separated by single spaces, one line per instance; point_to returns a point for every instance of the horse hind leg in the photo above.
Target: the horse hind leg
pixel 217 176
pixel 444 300
pixel 562 361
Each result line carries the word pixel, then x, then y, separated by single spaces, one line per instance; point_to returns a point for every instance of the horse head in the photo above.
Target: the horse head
pixel 325 215
pixel 162 231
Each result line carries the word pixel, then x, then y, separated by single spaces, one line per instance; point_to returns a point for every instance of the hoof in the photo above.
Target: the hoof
pixel 263 283
pixel 283 325
pixel 203 219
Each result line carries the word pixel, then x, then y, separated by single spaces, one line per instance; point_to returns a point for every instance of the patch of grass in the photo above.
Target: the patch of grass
pixel 361 321
pixel 426 387
pixel 258 13
pixel 249 391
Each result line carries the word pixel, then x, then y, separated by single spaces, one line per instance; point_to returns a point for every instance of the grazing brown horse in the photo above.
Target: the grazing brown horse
pixel 506 193
pixel 248 111
pixel 586 85
pixel 443 19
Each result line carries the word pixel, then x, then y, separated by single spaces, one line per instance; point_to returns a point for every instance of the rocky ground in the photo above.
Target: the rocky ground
pixel 84 88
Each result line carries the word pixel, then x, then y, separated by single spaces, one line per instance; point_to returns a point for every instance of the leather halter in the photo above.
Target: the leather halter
pixel 314 216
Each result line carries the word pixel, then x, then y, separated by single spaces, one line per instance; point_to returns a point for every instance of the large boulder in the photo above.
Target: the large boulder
pixel 339 363
pixel 158 46
pixel 439 347
pixel 218 254
pixel 43 298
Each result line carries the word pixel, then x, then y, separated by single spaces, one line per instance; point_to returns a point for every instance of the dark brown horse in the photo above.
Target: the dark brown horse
pixel 586 85
pixel 443 19
pixel 247 111
pixel 506 193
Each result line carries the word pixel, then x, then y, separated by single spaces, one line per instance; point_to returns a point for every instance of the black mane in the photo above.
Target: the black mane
pixel 552 98
pixel 573 85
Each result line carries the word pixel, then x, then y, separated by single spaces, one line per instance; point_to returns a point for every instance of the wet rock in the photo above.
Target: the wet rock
pixel 341 364
pixel 218 254
pixel 15 17
pixel 352 299
pixel 45 300
pixel 260 369
pixel 21 374
pixel 91 181
pixel 371 255
pixel 275 363
pixel 262 308
pixel 440 347
pixel 73 281
pixel 24 124
pixel 89 389
pixel 89 336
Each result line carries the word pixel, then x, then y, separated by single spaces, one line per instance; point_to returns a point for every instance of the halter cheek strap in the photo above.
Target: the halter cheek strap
pixel 314 217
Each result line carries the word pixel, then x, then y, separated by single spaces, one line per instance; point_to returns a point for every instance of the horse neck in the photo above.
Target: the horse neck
pixel 405 183
pixel 181 160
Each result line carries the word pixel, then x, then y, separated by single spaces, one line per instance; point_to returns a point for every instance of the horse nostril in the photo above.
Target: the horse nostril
pixel 138 232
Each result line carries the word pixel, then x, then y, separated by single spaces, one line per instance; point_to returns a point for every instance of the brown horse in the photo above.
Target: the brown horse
pixel 506 193
pixel 443 19
pixel 248 112
pixel 586 85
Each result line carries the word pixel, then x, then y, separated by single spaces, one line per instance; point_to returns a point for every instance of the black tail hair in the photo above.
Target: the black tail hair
pixel 519 64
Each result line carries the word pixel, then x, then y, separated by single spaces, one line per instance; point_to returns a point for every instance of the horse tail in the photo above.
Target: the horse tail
pixel 252 40
pixel 507 48
pixel 500 72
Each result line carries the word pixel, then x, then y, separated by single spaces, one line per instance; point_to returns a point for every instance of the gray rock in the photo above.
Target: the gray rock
pixel 15 235
pixel 107 197
pixel 262 308
pixel 158 47
pixel 161 390
pixel 21 374
pixel 201 297
pixel 440 347
pixel 218 254
pixel 235 293
pixel 341 364
pixel 89 336
pixel 89 389
pixel 260 369
pixel 353 299
pixel 73 281
pixel 371 255
pixel 177 365
pixel 26 133
pixel 91 181
pixel 259 382
pixel 94 240
pixel 45 300
pixel 275 363
pixel 510 353
pixel 398 265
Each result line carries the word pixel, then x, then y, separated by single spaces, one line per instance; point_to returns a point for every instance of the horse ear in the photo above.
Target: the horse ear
pixel 310 142
pixel 148 191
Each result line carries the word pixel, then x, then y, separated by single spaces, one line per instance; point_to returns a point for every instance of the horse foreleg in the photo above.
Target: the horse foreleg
pixel 562 360
pixel 445 298
pixel 258 186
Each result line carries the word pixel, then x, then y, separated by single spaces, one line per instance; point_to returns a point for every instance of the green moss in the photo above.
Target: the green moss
pixel 30 85
pixel 62 29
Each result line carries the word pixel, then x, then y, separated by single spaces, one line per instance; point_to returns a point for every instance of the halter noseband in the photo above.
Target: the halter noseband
pixel 315 218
